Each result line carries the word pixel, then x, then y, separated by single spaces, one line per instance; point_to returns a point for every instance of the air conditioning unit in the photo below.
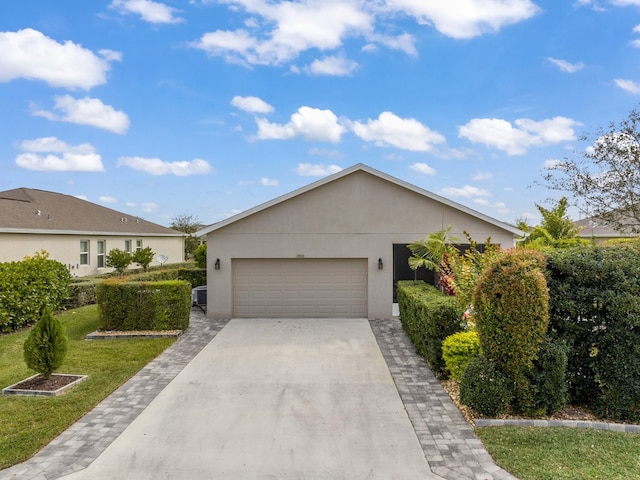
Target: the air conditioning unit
pixel 199 297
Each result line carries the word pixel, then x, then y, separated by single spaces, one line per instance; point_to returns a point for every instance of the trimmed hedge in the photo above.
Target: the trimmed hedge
pixel 595 308
pixel 163 305
pixel 82 290
pixel 429 316
pixel 26 287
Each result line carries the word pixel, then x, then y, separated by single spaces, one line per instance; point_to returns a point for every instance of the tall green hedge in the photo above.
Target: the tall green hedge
pixel 27 286
pixel 595 308
pixel 511 310
pixel 163 305
pixel 429 316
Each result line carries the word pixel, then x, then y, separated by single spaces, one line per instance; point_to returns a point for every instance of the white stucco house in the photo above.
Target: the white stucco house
pixel 77 233
pixel 331 249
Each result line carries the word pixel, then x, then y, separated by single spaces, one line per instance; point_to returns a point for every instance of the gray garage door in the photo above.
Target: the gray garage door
pixel 299 288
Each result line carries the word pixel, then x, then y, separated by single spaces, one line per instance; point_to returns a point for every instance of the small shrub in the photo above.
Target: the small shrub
pixel 144 257
pixel 458 350
pixel 119 259
pixel 484 388
pixel 46 345
pixel 26 287
pixel 200 256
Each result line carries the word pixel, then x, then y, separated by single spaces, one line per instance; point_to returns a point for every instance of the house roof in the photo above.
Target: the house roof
pixel 25 210
pixel 594 227
pixel 343 173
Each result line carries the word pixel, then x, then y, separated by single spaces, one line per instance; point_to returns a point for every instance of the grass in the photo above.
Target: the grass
pixel 28 423
pixel 543 453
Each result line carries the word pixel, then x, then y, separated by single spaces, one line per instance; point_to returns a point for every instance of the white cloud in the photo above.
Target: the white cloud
pixel 82 197
pixel 275 33
pixel 106 199
pixel 404 133
pixel 336 66
pixel 251 104
pixel 289 28
pixel 316 170
pixel 481 176
pixel 516 140
pixel 148 206
pixel 149 11
pixel 131 204
pixel 566 66
pixel 110 55
pixel 627 85
pixel 467 18
pixel 50 154
pixel 423 168
pixel 500 207
pixel 31 55
pixel 269 182
pixel 155 166
pixel 87 111
pixel 308 123
pixel 466 191
pixel 626 3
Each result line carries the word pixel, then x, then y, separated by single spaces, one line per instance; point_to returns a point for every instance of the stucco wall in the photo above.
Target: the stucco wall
pixel 359 215
pixel 66 248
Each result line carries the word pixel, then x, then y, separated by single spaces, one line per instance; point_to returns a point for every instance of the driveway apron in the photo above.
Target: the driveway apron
pixel 273 399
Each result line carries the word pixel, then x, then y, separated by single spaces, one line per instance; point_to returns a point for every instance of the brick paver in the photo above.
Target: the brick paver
pixel 449 443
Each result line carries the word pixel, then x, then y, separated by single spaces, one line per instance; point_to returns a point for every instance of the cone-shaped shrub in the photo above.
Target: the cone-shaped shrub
pixel 46 344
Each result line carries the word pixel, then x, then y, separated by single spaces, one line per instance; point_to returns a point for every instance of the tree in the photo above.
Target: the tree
pixel 144 257
pixel 556 228
pixel 604 180
pixel 188 224
pixel 119 259
pixel 46 345
pixel 430 252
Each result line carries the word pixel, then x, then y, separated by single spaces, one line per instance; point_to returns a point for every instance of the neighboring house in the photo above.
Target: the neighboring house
pixel 75 232
pixel 334 248
pixel 596 229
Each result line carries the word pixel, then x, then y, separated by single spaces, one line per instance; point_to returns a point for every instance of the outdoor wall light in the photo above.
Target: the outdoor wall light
pixel 380 264
pixel 217 264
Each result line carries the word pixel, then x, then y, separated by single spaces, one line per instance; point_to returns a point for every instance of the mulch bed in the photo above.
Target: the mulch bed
pixel 118 334
pixel 51 384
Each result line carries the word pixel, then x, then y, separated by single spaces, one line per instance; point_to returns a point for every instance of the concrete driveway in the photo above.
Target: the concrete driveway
pixel 273 399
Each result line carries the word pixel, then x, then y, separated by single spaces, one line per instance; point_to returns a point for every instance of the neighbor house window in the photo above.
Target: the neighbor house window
pixel 101 250
pixel 84 252
pixel 138 245
pixel 127 246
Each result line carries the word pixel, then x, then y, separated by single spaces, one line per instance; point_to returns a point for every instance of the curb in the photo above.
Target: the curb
pixel 612 427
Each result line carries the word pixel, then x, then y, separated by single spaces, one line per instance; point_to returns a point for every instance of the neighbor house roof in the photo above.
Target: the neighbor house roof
pixel 594 227
pixel 25 210
pixel 348 171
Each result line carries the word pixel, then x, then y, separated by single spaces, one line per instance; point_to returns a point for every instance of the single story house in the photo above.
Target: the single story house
pixel 334 248
pixel 75 232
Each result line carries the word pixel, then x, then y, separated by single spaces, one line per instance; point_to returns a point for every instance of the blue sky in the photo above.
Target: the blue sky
pixel 210 107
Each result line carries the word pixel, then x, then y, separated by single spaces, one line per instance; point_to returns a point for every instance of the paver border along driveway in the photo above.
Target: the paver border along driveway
pixel 450 447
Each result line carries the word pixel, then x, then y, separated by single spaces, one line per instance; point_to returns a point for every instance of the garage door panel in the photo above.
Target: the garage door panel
pixel 300 287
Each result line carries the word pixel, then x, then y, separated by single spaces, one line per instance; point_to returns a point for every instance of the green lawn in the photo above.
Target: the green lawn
pixel 28 423
pixel 563 453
